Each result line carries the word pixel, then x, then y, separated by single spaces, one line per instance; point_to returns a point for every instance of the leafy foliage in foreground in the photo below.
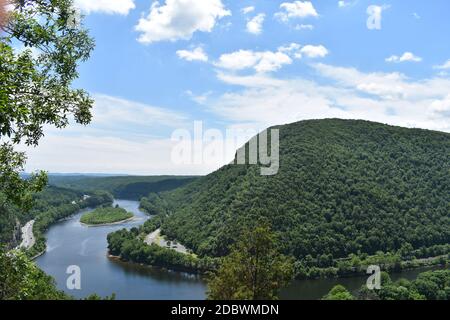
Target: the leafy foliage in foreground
pixel 254 270
pixel 106 215
pixel 344 187
pixel 339 292
pixel 36 84
pixel 21 279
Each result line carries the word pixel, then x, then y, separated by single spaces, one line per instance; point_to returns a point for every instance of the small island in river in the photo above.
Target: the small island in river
pixel 105 216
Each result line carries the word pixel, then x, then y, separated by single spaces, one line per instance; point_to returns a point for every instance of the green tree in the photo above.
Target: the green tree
pixel 254 270
pixel 339 292
pixel 21 279
pixel 41 45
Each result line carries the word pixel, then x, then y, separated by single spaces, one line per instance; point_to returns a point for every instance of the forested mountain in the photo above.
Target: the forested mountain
pixel 122 187
pixel 344 187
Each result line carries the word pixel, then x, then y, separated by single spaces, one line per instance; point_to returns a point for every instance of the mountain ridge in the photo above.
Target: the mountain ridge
pixel 343 187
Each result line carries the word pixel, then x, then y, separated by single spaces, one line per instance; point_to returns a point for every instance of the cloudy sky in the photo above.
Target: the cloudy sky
pixel 160 66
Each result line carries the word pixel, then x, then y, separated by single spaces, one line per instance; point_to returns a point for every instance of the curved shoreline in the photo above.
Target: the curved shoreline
pixel 108 224
pixel 39 254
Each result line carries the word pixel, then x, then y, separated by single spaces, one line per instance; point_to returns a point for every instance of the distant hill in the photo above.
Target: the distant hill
pixel 123 187
pixel 343 187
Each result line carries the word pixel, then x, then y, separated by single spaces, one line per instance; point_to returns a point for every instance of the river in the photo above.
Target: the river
pixel 70 243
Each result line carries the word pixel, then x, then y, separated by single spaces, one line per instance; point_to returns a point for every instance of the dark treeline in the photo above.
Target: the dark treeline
pixel 122 187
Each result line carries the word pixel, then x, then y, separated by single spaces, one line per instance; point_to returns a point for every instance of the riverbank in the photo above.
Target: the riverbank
pixel 43 220
pixel 106 216
pixel 109 224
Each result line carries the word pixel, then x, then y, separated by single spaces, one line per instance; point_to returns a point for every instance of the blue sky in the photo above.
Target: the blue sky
pixel 159 67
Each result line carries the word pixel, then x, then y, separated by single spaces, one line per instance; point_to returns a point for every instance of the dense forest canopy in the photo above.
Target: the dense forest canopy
pixel 344 187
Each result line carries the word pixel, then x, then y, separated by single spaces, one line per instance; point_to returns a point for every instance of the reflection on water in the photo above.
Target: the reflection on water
pixel 316 289
pixel 156 273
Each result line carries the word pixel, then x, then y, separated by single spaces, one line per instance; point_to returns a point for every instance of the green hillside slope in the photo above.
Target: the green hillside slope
pixel 343 187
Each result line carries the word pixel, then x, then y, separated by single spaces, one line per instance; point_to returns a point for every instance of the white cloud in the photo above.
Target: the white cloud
pixel 444 66
pixel 304 27
pixel 345 4
pixel 348 93
pixel 200 99
pixel 293 49
pixel 238 60
pixel 272 61
pixel 198 54
pixel 296 9
pixel 248 10
pixel 441 107
pixel 122 7
pixel 314 51
pixel 406 57
pixel 262 61
pixel 310 51
pixel 255 24
pixel 416 15
pixel 268 61
pixel 118 112
pixel 179 19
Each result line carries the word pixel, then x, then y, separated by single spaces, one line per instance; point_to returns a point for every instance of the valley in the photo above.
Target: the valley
pixel 335 213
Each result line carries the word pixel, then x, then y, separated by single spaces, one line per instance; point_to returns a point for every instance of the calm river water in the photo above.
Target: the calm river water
pixel 69 243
